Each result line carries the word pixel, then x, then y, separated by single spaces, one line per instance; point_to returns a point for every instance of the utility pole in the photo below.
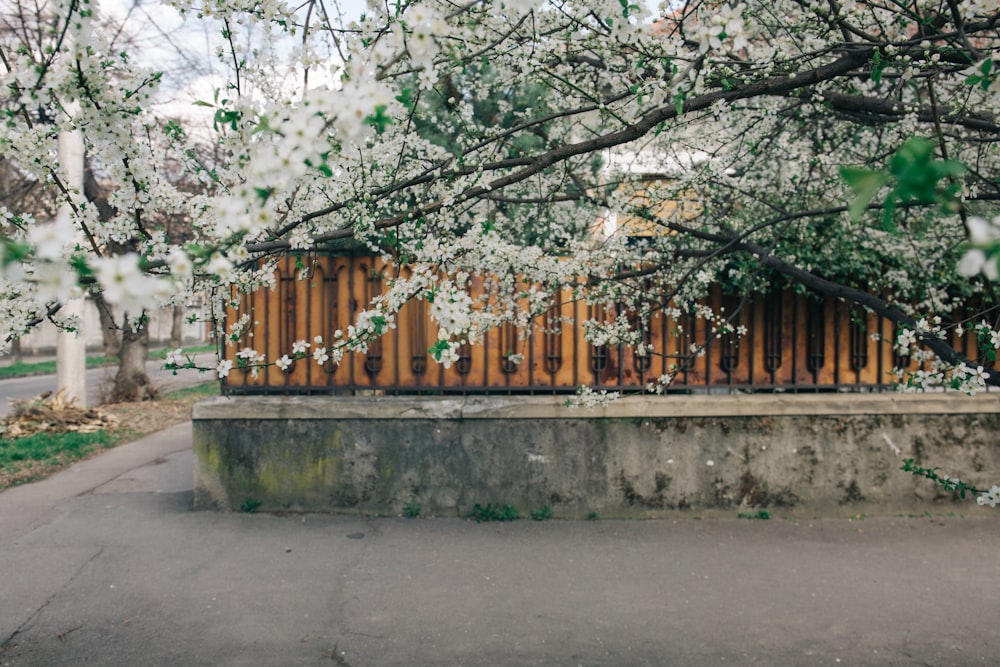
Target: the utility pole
pixel 71 346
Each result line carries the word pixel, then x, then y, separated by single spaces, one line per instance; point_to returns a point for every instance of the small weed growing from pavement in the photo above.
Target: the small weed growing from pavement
pixel 593 516
pixel 411 510
pixel 543 513
pixel 493 512
pixel 759 514
pixel 249 505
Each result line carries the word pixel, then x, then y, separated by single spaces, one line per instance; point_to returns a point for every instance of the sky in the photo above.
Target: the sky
pixel 184 49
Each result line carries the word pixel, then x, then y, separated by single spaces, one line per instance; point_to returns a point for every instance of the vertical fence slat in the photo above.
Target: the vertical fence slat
pixel 794 341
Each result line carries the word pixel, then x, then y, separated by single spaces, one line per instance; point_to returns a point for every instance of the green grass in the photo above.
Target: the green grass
pixel 35 456
pixel 48 367
pixel 50 449
pixel 210 388
pixel 22 369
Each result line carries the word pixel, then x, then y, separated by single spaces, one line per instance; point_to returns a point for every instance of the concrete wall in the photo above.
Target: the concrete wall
pixel 829 454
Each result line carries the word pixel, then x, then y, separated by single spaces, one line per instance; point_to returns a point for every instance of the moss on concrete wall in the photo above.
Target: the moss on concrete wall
pixel 376 455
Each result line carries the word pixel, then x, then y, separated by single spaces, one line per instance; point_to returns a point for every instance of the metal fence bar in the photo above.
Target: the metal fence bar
pixel 399 363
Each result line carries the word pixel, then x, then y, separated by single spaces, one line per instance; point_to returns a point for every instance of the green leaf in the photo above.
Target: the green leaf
pixel 437 348
pixel 865 184
pixel 406 98
pixel 263 125
pixel 173 130
pixel 79 264
pixel 13 251
pixel 877 67
pixel 379 120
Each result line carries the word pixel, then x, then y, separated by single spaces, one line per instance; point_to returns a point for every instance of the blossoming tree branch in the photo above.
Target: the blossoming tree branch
pixel 844 147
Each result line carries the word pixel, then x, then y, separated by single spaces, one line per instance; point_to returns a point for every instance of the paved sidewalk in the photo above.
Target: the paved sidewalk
pixel 106 564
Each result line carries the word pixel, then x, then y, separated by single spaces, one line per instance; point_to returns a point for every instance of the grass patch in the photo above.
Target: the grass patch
pixel 22 369
pixel 195 349
pixel 38 455
pixel 25 459
pixel 197 392
pixel 50 447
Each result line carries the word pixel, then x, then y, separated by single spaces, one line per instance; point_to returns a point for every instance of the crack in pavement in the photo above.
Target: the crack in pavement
pixel 7 642
pixel 340 622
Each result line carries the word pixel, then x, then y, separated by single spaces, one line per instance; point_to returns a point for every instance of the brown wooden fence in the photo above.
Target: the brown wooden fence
pixel 794 343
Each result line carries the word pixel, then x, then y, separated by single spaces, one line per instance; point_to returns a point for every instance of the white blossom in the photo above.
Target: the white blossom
pixel 174 357
pixel 124 284
pixel 991 497
pixel 224 367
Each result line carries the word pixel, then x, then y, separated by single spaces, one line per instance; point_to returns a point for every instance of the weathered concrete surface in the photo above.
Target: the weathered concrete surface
pixel 105 564
pixel 644 457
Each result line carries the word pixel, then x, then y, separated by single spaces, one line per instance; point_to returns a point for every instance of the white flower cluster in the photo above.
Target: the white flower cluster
pixel 587 397
pixel 422 30
pixel 250 359
pixel 981 257
pixel 174 358
pixel 362 96
pixel 660 384
pixel 723 23
pixel 936 373
pixel 125 284
pixel 991 497
pixel 299 165
pixel 447 355
pixel 451 308
pixel 618 330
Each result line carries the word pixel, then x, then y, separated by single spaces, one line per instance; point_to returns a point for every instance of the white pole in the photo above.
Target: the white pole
pixel 71 347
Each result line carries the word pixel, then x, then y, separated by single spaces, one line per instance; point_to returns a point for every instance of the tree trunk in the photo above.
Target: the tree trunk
pixel 109 330
pixel 177 327
pixel 131 382
pixel 15 351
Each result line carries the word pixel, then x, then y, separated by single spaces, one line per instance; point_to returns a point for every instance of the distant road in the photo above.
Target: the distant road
pixel 99 382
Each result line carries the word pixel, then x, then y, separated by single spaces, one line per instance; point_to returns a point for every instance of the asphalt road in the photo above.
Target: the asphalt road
pixel 98 383
pixel 106 564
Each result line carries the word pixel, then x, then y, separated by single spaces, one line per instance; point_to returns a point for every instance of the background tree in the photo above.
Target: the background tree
pixel 32 33
pixel 847 148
